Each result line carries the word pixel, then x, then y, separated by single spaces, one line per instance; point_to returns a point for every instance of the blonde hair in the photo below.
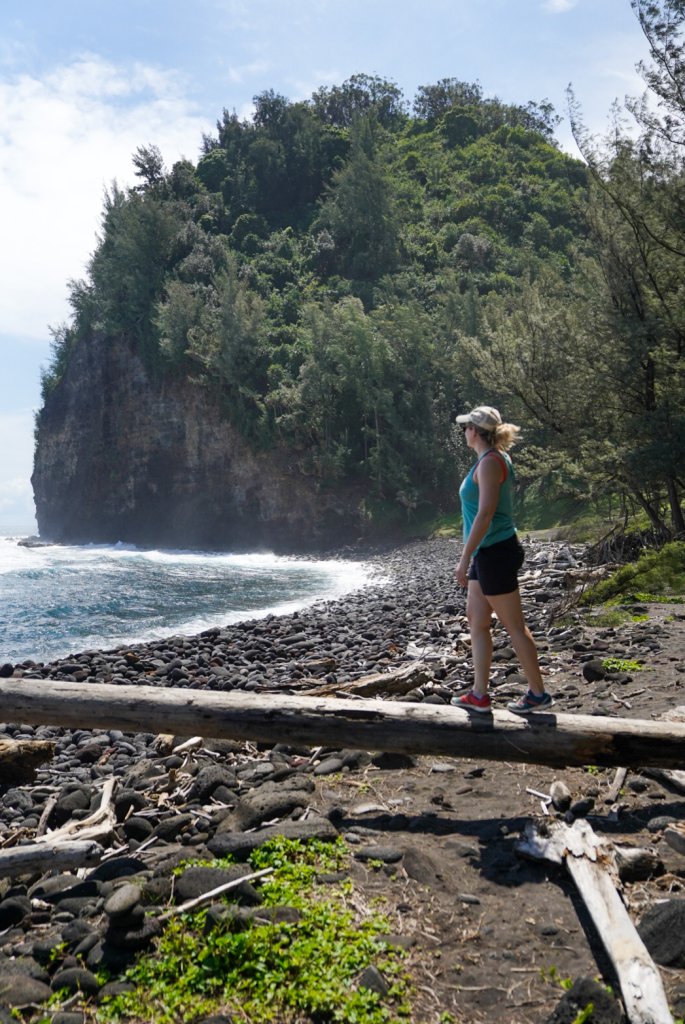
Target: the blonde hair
pixel 502 437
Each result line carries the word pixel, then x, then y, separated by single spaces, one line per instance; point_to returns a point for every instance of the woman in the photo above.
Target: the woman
pixel 492 548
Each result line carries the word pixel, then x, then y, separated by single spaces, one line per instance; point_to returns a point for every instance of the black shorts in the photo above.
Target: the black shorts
pixel 496 567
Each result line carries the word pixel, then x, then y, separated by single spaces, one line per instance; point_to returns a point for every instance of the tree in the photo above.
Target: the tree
pixel 341 105
pixel 149 165
pixel 359 211
pixel 128 267
pixel 637 220
pixel 432 101
pixel 227 340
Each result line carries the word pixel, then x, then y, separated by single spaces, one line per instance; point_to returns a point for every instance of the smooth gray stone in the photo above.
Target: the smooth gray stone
pixel 662 929
pixel 19 989
pixel 123 900
pixel 195 881
pixel 242 844
pixel 387 854
pixel 76 979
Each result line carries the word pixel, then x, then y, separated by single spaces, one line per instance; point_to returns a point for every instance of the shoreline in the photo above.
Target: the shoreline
pixel 239 587
pixel 395 581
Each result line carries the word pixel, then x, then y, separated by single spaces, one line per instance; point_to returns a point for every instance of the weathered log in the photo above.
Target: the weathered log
pixel 20 758
pixel 590 863
pixel 400 680
pixel 25 860
pixel 543 738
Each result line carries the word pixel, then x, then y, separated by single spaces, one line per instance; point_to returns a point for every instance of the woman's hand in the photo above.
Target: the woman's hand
pixel 461 573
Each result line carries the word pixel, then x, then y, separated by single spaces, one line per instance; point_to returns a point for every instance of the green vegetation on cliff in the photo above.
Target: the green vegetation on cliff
pixel 344 274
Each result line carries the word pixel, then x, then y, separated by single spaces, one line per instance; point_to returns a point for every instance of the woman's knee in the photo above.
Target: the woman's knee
pixel 480 621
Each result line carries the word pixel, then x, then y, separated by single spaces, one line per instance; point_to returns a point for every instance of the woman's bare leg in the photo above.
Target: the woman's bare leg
pixel 507 608
pixel 479 614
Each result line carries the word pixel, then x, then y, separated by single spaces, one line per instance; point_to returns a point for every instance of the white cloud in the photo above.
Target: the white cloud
pixel 243 71
pixel 558 6
pixel 16 461
pixel 63 139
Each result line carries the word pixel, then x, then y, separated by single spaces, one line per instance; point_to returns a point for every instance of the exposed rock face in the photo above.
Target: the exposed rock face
pixel 122 456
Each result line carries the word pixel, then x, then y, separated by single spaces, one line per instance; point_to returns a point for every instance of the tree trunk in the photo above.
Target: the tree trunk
pixel 653 516
pixel 543 738
pixel 677 519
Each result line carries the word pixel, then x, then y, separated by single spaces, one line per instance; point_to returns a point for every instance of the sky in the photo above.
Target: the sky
pixel 83 84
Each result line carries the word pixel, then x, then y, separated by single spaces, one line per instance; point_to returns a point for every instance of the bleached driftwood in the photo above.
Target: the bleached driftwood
pixel 590 863
pixel 19 759
pixel 63 856
pixel 98 825
pixel 616 786
pixel 400 680
pixel 207 897
pixel 407 727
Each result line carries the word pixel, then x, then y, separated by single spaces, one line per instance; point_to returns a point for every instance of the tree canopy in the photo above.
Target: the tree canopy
pixel 346 273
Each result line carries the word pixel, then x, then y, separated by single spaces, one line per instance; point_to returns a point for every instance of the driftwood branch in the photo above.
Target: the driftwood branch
pixel 207 897
pixel 97 825
pixel 543 738
pixel 63 856
pixel 616 786
pixel 19 759
pixel 396 681
pixel 590 862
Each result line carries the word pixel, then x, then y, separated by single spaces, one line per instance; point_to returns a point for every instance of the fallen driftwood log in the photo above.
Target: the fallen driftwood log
pixel 20 758
pixel 397 681
pixel 24 860
pixel 543 738
pixel 590 863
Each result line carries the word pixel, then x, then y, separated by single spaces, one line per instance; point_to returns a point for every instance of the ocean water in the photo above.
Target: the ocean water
pixel 59 600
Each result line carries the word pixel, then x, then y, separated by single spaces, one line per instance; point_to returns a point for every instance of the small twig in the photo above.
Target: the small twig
pixel 536 792
pixel 207 896
pixel 147 843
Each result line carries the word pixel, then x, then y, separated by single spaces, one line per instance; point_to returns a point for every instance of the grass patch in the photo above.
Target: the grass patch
pixel 272 973
pixel 657 575
pixel 446 526
pixel 609 618
pixel 621 665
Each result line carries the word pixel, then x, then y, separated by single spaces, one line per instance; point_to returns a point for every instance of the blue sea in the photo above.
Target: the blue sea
pixel 59 600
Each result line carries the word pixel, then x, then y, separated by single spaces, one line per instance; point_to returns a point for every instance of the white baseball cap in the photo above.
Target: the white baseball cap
pixel 483 416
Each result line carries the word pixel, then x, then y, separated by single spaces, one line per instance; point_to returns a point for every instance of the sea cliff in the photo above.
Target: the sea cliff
pixel 124 455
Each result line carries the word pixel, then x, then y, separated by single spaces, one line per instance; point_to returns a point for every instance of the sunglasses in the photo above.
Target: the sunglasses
pixel 465 427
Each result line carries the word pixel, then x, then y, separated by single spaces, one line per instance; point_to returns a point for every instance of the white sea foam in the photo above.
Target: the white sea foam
pixel 59 599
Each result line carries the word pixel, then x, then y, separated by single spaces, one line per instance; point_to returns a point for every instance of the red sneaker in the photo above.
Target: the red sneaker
pixel 471 702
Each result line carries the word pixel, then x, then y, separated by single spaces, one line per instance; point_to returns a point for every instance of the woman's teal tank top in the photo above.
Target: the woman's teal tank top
pixel 502 525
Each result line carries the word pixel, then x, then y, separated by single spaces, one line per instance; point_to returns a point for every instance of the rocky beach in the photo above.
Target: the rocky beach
pixel 488 933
